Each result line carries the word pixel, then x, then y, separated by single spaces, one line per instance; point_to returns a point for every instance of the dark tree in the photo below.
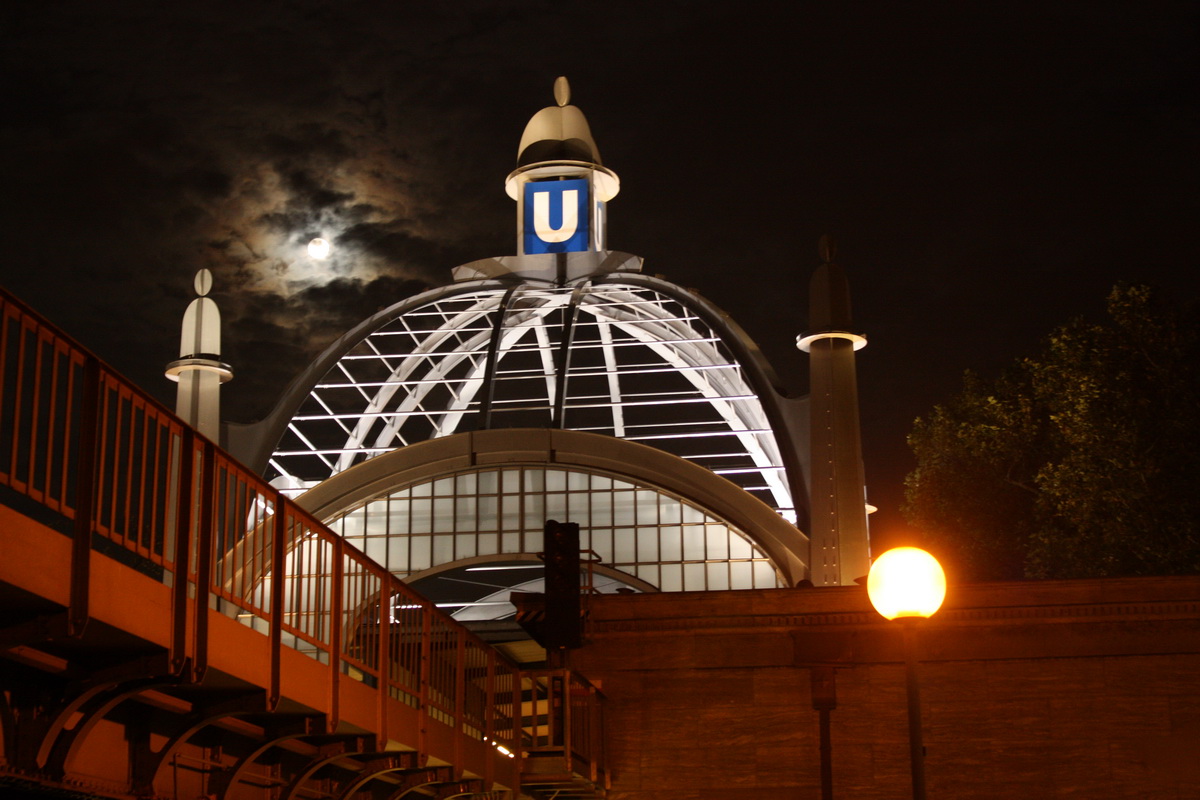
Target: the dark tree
pixel 1082 461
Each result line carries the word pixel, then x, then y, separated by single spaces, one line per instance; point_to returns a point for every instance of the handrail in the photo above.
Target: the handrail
pixel 166 501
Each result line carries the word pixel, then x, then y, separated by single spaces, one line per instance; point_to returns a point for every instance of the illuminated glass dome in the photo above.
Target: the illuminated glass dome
pixel 620 354
pixel 565 339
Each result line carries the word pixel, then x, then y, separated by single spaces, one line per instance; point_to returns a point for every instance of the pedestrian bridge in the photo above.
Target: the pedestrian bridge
pixel 172 626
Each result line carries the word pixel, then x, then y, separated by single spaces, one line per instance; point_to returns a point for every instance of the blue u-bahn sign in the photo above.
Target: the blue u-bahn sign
pixel 556 216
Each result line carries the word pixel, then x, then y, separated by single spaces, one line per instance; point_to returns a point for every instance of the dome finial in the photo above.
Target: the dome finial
pixel 558 139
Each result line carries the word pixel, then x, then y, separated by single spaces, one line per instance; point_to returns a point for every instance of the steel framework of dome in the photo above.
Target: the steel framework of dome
pixel 619 354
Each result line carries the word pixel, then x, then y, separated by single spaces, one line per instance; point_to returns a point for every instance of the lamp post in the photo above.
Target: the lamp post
pixel 908 584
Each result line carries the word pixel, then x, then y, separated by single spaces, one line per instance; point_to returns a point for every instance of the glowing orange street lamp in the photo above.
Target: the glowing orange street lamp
pixel 908 584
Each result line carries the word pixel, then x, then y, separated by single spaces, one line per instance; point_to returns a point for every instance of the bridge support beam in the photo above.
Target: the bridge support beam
pixel 85 703
pixel 145 763
pixel 280 729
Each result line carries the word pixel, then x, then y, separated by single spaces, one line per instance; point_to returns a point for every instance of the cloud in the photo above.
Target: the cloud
pixel 158 140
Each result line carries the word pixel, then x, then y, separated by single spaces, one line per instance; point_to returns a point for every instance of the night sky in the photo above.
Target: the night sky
pixel 988 170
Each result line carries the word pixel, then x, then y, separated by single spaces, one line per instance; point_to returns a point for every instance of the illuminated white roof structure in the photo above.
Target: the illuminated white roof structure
pixel 620 354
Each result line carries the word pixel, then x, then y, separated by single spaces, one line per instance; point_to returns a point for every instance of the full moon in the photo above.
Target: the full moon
pixel 319 249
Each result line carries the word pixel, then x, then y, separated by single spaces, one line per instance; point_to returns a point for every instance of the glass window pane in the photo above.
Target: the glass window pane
pixel 535 515
pixel 741 575
pixel 511 518
pixel 623 546
pixel 693 578
pixel 421 553
pixel 718 541
pixel 622 508
pixel 489 511
pixel 602 512
pixel 443 487
pixel 443 514
pixel 669 510
pixel 556 480
pixel 464 514
pixel 601 482
pixel 577 507
pixel 739 547
pixel 377 516
pixel 577 481
pixel 647 508
pixel 422 516
pixel 352 526
pixel 533 541
pixel 376 549
pixel 647 545
pixel 556 507
pixel 693 543
pixel 397 516
pixel 672 578
pixel 465 484
pixel 464 545
pixel 535 480
pixel 602 544
pixel 718 576
pixel 671 543
pixel 489 544
pixel 422 490
pixel 511 543
pixel 398 554
pixel 764 575
pixel 488 482
pixel 649 575
pixel 511 481
pixel 443 550
pixel 692 514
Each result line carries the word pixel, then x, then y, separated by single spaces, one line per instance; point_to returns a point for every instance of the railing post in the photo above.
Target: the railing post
pixel 275 622
pixel 204 558
pixel 595 735
pixel 85 498
pixel 423 691
pixel 565 684
pixel 460 691
pixel 335 630
pixel 185 498
pixel 489 718
pixel 383 661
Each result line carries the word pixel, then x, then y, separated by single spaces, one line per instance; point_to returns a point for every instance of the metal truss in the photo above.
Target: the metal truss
pixel 610 357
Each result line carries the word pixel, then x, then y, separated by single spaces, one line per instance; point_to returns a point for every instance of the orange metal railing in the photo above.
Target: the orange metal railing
pixel 570 720
pixel 127 477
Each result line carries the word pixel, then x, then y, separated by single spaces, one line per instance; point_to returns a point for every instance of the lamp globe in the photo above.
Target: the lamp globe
pixel 906 582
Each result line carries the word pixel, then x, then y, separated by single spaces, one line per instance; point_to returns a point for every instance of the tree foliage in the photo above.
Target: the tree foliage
pixel 1082 461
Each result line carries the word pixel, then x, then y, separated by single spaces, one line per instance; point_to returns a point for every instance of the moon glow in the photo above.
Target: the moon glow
pixel 319 249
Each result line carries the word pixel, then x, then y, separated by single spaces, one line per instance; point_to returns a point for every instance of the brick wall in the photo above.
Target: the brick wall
pixel 1085 689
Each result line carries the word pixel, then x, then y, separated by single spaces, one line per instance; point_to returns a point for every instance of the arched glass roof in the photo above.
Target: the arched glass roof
pixel 648 537
pixel 621 354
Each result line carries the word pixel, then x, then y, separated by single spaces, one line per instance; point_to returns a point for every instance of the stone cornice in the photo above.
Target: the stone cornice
pixel 982 621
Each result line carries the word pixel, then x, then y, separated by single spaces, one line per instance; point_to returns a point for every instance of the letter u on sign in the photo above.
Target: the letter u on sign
pixel 556 216
pixel 569 214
